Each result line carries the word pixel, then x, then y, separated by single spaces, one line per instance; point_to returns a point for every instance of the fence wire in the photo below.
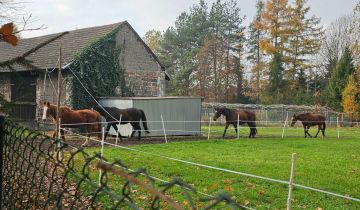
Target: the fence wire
pixel 39 172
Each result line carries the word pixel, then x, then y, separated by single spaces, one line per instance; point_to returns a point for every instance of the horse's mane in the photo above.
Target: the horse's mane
pixel 66 108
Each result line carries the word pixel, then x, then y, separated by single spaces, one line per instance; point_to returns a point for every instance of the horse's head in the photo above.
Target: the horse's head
pixel 293 120
pixel 46 110
pixel 219 112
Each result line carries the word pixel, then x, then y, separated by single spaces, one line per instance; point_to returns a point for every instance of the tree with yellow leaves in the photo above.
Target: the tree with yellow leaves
pixel 275 18
pixel 350 100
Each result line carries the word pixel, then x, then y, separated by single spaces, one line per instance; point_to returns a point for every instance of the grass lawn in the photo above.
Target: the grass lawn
pixel 330 164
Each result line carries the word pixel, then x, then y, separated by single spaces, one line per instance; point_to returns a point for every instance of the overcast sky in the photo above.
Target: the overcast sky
pixel 143 15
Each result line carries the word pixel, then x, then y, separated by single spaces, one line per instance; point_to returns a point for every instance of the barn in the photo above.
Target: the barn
pixel 109 60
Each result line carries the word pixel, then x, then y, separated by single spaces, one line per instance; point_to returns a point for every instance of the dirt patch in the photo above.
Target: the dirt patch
pixel 78 141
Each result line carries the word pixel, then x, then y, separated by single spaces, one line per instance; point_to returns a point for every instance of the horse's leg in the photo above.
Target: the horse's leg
pixel 307 131
pixel 107 130
pixel 62 135
pixel 236 128
pixel 88 130
pixel 134 129
pixel 323 129
pixel 117 130
pixel 252 132
pixel 226 127
pixel 138 128
pixel 319 128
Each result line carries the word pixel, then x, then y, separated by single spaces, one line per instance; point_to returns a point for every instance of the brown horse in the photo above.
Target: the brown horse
pixel 77 118
pixel 232 116
pixel 130 115
pixel 308 120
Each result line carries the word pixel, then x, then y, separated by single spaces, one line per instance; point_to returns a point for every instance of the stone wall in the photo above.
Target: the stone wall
pixel 5 86
pixel 46 91
pixel 145 83
pixel 143 74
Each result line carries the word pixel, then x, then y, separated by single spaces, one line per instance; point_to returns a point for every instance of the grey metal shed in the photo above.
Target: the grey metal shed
pixel 181 115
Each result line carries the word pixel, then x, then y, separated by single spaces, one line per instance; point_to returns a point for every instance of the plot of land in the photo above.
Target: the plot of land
pixel 330 164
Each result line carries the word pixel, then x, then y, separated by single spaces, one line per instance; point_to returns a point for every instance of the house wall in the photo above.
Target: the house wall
pixel 46 91
pixel 145 83
pixel 143 74
pixel 5 85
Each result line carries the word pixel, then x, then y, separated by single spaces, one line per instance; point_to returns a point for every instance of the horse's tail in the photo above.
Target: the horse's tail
pixel 98 126
pixel 143 119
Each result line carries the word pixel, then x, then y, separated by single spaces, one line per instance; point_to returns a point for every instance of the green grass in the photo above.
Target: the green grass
pixel 330 164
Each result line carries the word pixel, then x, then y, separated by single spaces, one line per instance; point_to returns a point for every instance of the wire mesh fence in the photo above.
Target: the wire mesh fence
pixel 39 172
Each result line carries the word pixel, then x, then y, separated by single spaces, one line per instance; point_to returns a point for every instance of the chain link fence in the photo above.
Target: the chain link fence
pixel 39 172
pixel 275 115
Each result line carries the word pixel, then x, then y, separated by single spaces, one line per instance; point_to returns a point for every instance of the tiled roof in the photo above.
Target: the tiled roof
pixel 48 55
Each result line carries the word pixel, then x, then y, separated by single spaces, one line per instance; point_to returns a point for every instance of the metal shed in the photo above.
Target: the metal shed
pixel 181 115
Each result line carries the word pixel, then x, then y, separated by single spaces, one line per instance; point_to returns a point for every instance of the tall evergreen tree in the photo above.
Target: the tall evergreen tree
pixel 305 36
pixel 339 78
pixel 276 79
pixel 198 50
pixel 256 33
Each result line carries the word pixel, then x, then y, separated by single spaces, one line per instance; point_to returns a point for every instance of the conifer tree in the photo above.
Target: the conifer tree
pixel 304 40
pixel 339 78
pixel 256 33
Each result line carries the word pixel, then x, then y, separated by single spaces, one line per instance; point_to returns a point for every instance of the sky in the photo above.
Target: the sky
pixel 143 15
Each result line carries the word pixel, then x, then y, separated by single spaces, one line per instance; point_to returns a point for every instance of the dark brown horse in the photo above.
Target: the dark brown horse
pixel 232 116
pixel 77 118
pixel 131 115
pixel 308 120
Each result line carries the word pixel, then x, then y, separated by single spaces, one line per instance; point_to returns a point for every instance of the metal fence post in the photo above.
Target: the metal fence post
pixel 291 181
pixel 338 127
pixel 117 134
pixel 101 152
pixel 2 138
pixel 238 125
pixel 286 120
pixel 163 125
pixel 209 129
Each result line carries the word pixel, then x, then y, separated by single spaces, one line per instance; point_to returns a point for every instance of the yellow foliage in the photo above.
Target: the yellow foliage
pixel 349 103
pixel 266 46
